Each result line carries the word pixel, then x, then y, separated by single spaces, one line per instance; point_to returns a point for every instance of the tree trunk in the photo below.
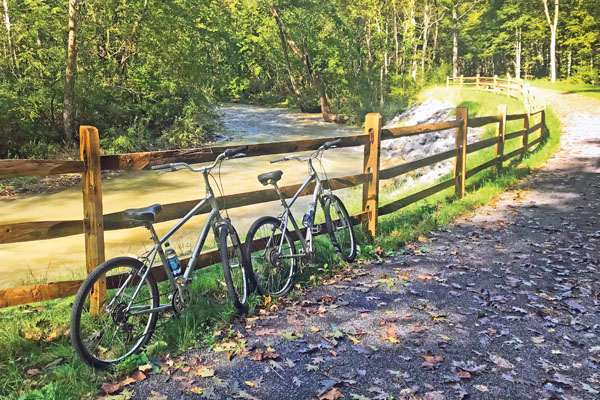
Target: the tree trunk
pixel 396 60
pixel 569 62
pixel 328 116
pixel 425 37
pixel 518 46
pixel 455 42
pixel 11 48
pixel 69 93
pixel 553 29
pixel 282 36
pixel 435 44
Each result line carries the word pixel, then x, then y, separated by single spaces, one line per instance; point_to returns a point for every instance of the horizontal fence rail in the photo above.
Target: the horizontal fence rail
pixel 95 223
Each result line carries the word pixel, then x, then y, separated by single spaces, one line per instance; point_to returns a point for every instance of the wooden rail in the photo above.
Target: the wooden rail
pixel 95 222
pixel 511 86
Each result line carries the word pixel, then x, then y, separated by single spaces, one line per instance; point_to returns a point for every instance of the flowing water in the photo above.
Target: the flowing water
pixel 63 258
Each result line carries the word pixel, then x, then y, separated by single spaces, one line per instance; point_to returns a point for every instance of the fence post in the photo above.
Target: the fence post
pixel 477 80
pixel 543 121
pixel 93 223
pixel 500 133
pixel 526 128
pixel 373 124
pixel 462 77
pixel 495 81
pixel 460 164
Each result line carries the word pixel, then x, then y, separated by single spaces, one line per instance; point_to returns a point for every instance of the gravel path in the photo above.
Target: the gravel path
pixel 500 305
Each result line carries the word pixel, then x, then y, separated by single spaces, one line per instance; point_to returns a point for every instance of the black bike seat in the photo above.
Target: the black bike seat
pixel 270 177
pixel 146 214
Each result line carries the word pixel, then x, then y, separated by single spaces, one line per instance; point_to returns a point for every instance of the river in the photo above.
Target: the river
pixel 63 258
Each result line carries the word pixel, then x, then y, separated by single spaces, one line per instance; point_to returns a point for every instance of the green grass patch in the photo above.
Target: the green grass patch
pixel 568 87
pixel 38 362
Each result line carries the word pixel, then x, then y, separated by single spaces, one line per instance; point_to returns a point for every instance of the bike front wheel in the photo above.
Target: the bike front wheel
pixel 339 228
pixel 233 266
pixel 270 255
pixel 115 330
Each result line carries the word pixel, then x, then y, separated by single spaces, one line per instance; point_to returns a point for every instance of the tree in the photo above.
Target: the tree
pixel 553 29
pixel 71 70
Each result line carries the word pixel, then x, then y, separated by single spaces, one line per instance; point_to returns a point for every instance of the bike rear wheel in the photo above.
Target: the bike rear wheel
pixel 234 271
pixel 272 268
pixel 114 333
pixel 340 229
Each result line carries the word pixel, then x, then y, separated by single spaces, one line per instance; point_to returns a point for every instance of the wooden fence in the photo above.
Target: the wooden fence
pixel 93 163
pixel 513 87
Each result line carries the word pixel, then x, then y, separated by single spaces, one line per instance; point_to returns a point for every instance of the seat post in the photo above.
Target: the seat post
pixel 150 227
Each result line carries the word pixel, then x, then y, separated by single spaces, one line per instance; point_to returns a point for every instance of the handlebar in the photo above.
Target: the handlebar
pixel 233 152
pixel 229 153
pixel 315 154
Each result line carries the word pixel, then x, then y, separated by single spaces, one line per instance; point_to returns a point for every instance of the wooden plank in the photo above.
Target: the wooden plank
pixel 33 293
pixel 413 198
pixel 392 133
pixel 372 154
pixel 93 221
pixel 526 129
pixel 40 230
pixel 535 127
pixel 138 161
pixel 536 141
pixel 501 135
pixel 512 154
pixel 482 144
pixel 14 168
pixel 414 165
pixel 485 165
pixel 515 117
pixel 514 135
pixel 462 113
pixel 29 231
pixel 482 121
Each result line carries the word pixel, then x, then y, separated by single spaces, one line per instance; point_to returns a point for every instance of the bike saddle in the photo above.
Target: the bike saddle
pixel 146 214
pixel 270 177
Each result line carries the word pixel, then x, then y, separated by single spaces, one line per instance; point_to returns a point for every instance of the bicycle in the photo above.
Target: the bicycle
pixel 270 249
pixel 126 320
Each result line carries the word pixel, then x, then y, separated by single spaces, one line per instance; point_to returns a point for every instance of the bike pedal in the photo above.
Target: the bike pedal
pixel 315 229
pixel 183 281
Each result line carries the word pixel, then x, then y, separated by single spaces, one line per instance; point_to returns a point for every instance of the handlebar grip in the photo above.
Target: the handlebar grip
pixel 331 144
pixel 232 152
pixel 161 166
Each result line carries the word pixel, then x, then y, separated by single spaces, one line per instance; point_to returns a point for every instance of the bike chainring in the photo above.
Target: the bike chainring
pixel 179 305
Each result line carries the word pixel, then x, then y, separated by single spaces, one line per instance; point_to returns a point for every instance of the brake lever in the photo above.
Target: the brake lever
pixel 239 155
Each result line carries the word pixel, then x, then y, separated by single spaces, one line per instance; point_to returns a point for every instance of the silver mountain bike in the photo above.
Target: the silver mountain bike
pixel 273 251
pixel 125 321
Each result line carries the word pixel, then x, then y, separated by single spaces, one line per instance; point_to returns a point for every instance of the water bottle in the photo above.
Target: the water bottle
pixel 172 260
pixel 309 216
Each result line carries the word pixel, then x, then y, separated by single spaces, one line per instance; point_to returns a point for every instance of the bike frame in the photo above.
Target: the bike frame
pixel 287 216
pixel 178 284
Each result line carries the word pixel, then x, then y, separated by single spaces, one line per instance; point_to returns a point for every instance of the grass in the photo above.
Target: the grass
pixel 38 362
pixel 564 86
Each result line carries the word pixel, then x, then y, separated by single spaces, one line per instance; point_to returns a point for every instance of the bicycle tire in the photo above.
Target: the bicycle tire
pixel 230 249
pixel 346 251
pixel 264 264
pixel 79 304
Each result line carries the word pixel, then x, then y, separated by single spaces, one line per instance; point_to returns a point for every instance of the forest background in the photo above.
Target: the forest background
pixel 150 74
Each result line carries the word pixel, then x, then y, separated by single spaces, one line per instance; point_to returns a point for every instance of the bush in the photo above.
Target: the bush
pixel 584 74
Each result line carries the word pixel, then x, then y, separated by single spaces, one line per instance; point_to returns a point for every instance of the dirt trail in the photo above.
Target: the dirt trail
pixel 501 305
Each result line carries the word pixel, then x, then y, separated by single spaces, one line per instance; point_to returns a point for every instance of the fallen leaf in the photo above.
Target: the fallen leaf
pixel 204 372
pixel 138 376
pixel 197 390
pixel 482 388
pixel 264 332
pixel 264 355
pixel 249 383
pixel 33 372
pixel 331 394
pixel 154 395
pixel 110 388
pixel 314 329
